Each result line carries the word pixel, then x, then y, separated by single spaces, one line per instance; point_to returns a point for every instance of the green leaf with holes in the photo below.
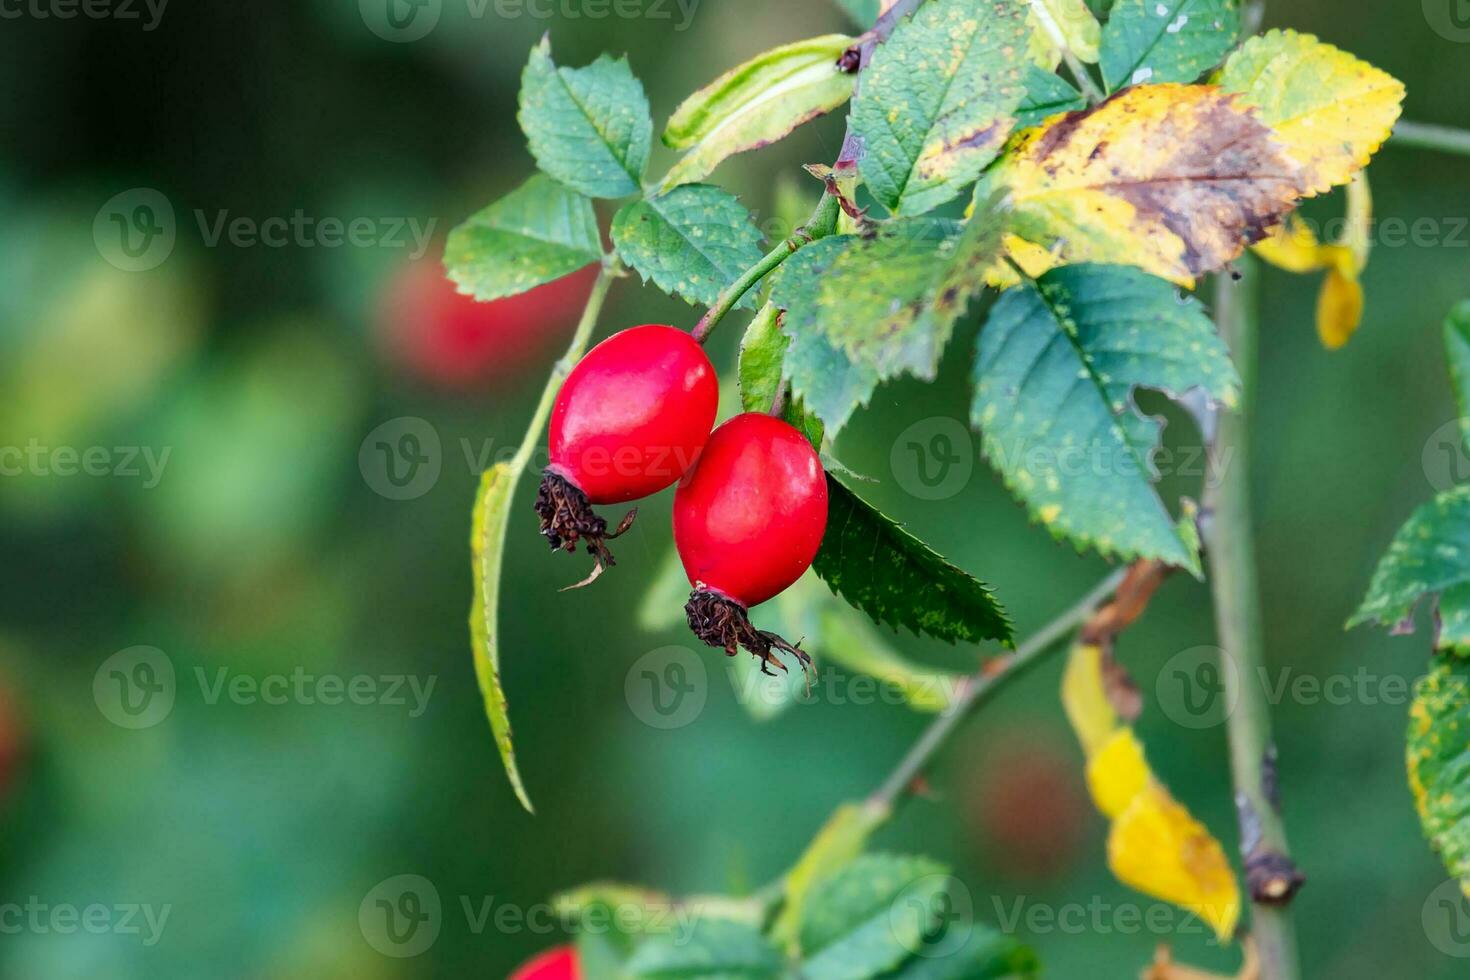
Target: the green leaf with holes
pixel 710 949
pixel 1430 556
pixel 538 233
pixel 691 242
pixel 1153 41
pixel 1055 372
pixel 1439 761
pixel 757 104
pixel 487 548
pixel 871 916
pixel 872 562
pixel 937 101
pixel 589 127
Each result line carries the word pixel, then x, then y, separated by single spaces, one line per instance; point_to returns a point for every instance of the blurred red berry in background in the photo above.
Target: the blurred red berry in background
pixel 556 964
pixel 1026 806
pixel 440 336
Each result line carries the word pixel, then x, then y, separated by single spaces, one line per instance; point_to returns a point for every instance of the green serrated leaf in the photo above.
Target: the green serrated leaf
pixel 878 567
pixel 1055 371
pixel 936 103
pixel 1457 349
pixel 1439 762
pixel 1047 94
pixel 536 234
pixel 690 242
pixel 1430 556
pixel 836 845
pixel 870 916
pixel 984 954
pixel 1157 41
pixel 757 104
pixel 487 547
pixel 714 949
pixel 589 127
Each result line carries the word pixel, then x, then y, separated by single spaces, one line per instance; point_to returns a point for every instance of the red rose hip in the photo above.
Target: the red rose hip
pixel 630 419
pixel 748 521
pixel 555 964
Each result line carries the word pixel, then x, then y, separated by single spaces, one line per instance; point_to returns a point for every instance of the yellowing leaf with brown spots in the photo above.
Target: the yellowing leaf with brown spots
pixel 1174 179
pixel 1330 111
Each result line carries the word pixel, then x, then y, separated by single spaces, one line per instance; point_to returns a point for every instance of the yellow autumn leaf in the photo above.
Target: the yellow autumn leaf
pixel 1085 699
pixel 1157 848
pixel 1117 773
pixel 1330 111
pixel 1340 304
pixel 1293 247
pixel 1174 179
pixel 1073 22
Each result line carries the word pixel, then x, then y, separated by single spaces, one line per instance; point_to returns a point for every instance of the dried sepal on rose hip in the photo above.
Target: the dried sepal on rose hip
pixel 630 419
pixel 748 521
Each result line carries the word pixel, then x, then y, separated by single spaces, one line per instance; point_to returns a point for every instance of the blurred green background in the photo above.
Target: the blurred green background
pixel 198 478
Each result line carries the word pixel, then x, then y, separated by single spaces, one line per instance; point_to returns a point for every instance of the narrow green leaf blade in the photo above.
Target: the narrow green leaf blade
pixel 849 640
pixel 937 100
pixel 690 242
pixel 1457 348
pixel 762 362
pixel 536 234
pixel 881 569
pixel 1430 556
pixel 1157 41
pixel 1075 22
pixel 1055 370
pixel 1439 762
pixel 836 845
pixel 487 548
pixel 589 127
pixel 870 916
pixel 757 104
pixel 714 949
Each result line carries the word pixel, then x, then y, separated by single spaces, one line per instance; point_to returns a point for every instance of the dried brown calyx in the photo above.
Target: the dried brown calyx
pixel 723 623
pixel 567 517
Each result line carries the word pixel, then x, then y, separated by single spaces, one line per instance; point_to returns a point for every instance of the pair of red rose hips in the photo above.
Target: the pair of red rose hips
pixel 633 417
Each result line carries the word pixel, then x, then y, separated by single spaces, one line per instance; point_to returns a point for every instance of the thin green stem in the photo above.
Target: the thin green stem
pixel 820 225
pixel 979 688
pixel 1230 546
pixel 1427 136
pixel 611 269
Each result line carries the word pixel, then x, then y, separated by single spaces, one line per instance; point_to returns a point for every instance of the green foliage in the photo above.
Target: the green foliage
pixel 836 845
pixel 881 306
pixel 589 127
pixel 762 360
pixel 863 12
pixel 936 101
pixel 487 549
pixel 1054 375
pixel 850 641
pixel 538 233
pixel 1439 761
pixel 1429 556
pixel 691 241
pixel 715 949
pixel 1047 94
pixel 870 916
pixel 985 954
pixel 878 567
pixel 1166 40
pixel 1457 348
pixel 756 104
